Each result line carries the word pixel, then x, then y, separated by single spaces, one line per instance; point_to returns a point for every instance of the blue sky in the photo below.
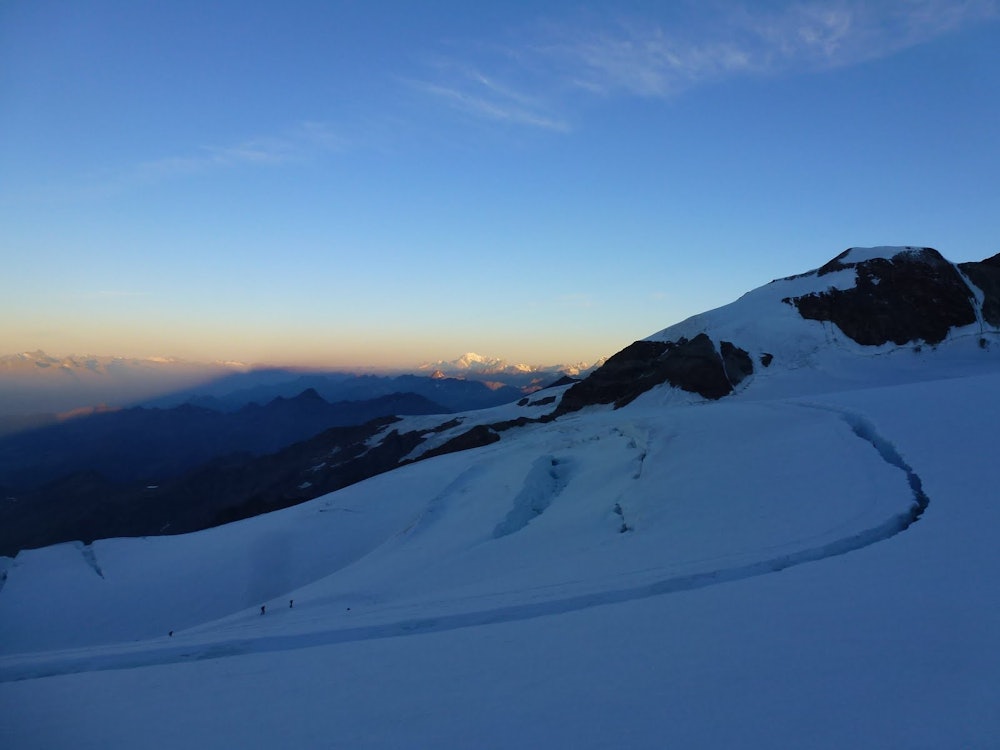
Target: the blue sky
pixel 387 183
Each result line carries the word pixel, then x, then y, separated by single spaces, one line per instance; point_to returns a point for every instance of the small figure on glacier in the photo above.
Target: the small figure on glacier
pixel 290 602
pixel 263 608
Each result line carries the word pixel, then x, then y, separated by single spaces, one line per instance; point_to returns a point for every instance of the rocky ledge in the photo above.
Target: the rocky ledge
pixel 914 296
pixel 694 365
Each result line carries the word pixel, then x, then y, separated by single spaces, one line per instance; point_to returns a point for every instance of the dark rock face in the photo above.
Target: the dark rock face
pixel 912 297
pixel 693 366
pixel 543 401
pixel 475 437
pixel 620 379
pixel 564 380
pixel 737 362
pixel 986 276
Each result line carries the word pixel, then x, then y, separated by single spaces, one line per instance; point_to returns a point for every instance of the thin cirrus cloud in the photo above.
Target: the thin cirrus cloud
pixel 305 141
pixel 640 57
pixel 466 89
pixel 818 36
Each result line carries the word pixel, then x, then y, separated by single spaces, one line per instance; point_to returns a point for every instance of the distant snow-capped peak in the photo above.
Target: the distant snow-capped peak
pixel 471 360
pixel 472 363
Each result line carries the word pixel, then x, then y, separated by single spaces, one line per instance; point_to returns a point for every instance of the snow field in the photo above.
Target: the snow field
pixel 718 488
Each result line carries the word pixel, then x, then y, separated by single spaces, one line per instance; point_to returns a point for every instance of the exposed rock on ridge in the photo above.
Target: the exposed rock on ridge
pixel 986 276
pixel 898 295
pixel 693 366
pixel 916 295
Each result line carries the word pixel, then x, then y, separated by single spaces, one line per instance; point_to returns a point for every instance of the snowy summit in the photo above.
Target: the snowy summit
pixel 472 363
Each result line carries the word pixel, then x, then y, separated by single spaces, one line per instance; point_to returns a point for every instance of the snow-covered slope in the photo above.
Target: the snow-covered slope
pixel 804 563
pixel 767 323
pixel 866 304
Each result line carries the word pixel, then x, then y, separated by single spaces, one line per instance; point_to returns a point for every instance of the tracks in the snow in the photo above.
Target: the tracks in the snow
pixel 29 666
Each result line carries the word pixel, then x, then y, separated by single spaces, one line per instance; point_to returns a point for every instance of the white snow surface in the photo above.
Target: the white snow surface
pixel 744 573
pixel 861 254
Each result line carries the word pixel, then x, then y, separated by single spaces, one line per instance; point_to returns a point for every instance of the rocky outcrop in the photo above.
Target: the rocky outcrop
pixel 737 363
pixel 692 365
pixel 986 276
pixel 476 437
pixel 914 296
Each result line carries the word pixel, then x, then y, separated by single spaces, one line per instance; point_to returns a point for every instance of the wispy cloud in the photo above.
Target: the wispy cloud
pixel 657 59
pixel 304 141
pixel 607 56
pixel 301 143
pixel 824 35
pixel 468 90
pixel 636 59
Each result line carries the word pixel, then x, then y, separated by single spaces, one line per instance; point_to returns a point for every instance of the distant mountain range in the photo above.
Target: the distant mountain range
pixel 35 387
pixel 151 445
pixel 475 365
pixel 261 386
